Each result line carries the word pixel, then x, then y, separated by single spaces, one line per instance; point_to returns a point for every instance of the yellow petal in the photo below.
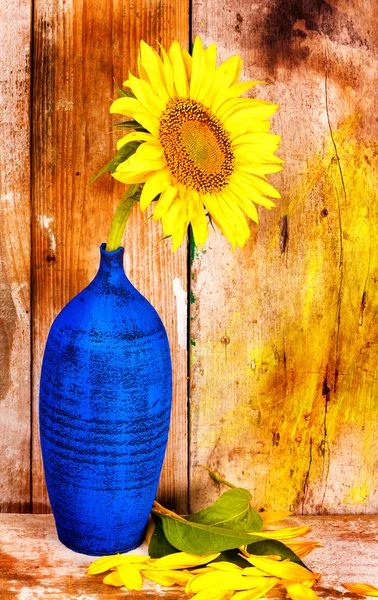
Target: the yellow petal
pixel 134 165
pixel 199 220
pixel 209 72
pixel 255 572
pixel 164 202
pixel 153 66
pixel 224 565
pixel 113 578
pixel 298 591
pixel 271 516
pixel 263 187
pixel 146 96
pixel 108 562
pixel 179 71
pixel 258 592
pixel 182 560
pixel 233 92
pixel 258 168
pixel 130 577
pixel 136 136
pixel 253 113
pixel 285 534
pixel 157 183
pixel 244 203
pixel 132 177
pixel 302 549
pixel 175 221
pixel 225 580
pixel 198 73
pixel 283 569
pixel 126 106
pixel 212 594
pixel 168 74
pixel 188 62
pixel 167 578
pixel 147 151
pixel 362 588
pixel 238 71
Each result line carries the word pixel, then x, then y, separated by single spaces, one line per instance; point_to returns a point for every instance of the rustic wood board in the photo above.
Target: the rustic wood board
pixel 34 564
pixel 284 337
pixel 78 49
pixel 15 256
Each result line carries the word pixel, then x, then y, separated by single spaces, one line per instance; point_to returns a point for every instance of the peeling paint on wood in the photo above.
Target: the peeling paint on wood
pixel 290 410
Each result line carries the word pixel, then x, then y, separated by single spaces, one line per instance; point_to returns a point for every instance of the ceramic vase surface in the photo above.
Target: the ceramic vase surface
pixel 105 402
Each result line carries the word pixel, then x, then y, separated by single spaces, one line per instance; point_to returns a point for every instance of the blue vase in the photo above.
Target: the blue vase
pixel 105 402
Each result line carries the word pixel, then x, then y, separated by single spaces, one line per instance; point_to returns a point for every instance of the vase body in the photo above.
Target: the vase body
pixel 105 402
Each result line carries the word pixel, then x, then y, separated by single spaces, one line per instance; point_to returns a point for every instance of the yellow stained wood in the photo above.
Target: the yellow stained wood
pixel 79 47
pixel 284 332
pixel 15 257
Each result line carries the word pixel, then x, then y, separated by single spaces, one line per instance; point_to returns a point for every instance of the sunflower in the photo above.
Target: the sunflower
pixel 203 151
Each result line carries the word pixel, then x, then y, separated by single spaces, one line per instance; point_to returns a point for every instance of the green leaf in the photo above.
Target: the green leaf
pixel 274 547
pixel 197 538
pixel 129 125
pixel 123 154
pixel 159 545
pixel 125 93
pixel 231 510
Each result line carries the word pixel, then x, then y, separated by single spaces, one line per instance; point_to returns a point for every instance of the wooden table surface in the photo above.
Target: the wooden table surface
pixel 35 565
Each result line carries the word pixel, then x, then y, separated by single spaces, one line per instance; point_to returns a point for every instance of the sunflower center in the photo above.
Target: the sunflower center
pixel 197 148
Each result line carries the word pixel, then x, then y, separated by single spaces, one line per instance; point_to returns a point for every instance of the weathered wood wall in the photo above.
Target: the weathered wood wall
pixel 283 334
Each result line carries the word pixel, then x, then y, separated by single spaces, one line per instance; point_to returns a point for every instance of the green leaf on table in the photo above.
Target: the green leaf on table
pixel 197 538
pixel 159 545
pixel 123 154
pixel 232 556
pixel 274 547
pixel 231 510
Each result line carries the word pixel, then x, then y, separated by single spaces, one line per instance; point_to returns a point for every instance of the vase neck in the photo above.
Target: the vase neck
pixel 111 273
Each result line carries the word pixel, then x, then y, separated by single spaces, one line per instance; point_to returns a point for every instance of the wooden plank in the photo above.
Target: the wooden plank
pixel 39 566
pixel 15 256
pixel 79 49
pixel 284 336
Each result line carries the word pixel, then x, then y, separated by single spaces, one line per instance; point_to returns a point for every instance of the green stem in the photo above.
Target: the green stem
pixel 214 475
pixel 121 217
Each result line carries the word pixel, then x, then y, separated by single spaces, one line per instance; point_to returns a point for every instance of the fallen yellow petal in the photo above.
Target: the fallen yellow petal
pixel 113 578
pixel 130 576
pixel 302 549
pixel 213 594
pixel 283 569
pixel 108 562
pixel 362 588
pixel 225 580
pixel 258 592
pixel 224 565
pixel 284 534
pixel 168 577
pixel 299 591
pixel 255 572
pixel 271 516
pixel 182 560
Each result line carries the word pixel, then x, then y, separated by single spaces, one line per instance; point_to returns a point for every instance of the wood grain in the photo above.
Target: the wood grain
pixel 39 566
pixel 79 48
pixel 284 337
pixel 15 44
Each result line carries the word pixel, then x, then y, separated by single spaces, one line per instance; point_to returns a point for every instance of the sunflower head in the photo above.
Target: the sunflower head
pixel 200 150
